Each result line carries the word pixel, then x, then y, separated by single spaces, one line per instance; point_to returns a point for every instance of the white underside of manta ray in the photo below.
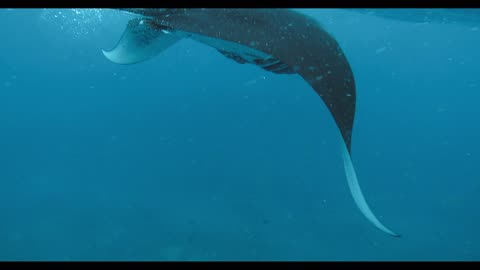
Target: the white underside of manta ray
pixel 278 40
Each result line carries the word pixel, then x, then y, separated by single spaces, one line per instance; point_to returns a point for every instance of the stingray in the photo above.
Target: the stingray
pixel 281 41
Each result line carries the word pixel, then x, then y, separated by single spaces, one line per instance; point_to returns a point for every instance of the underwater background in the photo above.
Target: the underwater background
pixel 191 156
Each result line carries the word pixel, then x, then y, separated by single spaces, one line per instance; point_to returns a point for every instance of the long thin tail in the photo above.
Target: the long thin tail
pixel 357 192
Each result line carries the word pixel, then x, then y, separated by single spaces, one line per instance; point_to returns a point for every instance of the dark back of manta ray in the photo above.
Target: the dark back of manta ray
pixel 337 91
pixel 332 79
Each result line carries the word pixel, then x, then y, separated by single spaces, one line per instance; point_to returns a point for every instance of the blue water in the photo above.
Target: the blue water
pixel 190 156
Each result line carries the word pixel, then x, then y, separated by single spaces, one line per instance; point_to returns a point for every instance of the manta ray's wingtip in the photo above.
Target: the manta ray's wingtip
pixel 107 54
pixel 358 195
pixel 390 232
pixel 116 57
pixel 110 56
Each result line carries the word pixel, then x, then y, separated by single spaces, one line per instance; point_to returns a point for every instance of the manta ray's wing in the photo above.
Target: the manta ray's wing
pixel 141 40
pixel 328 73
pixel 341 111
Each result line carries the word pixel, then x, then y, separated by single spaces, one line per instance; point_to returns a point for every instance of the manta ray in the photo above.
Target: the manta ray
pixel 281 41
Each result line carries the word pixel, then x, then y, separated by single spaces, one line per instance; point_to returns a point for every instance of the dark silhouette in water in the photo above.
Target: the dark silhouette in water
pixel 278 40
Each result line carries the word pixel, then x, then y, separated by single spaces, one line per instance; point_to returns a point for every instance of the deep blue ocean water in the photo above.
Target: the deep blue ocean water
pixel 191 156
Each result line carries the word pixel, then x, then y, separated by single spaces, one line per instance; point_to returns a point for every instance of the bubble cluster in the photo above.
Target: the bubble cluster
pixel 78 22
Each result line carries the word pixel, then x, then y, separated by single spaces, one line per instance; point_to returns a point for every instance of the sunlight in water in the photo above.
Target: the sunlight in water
pixel 78 22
